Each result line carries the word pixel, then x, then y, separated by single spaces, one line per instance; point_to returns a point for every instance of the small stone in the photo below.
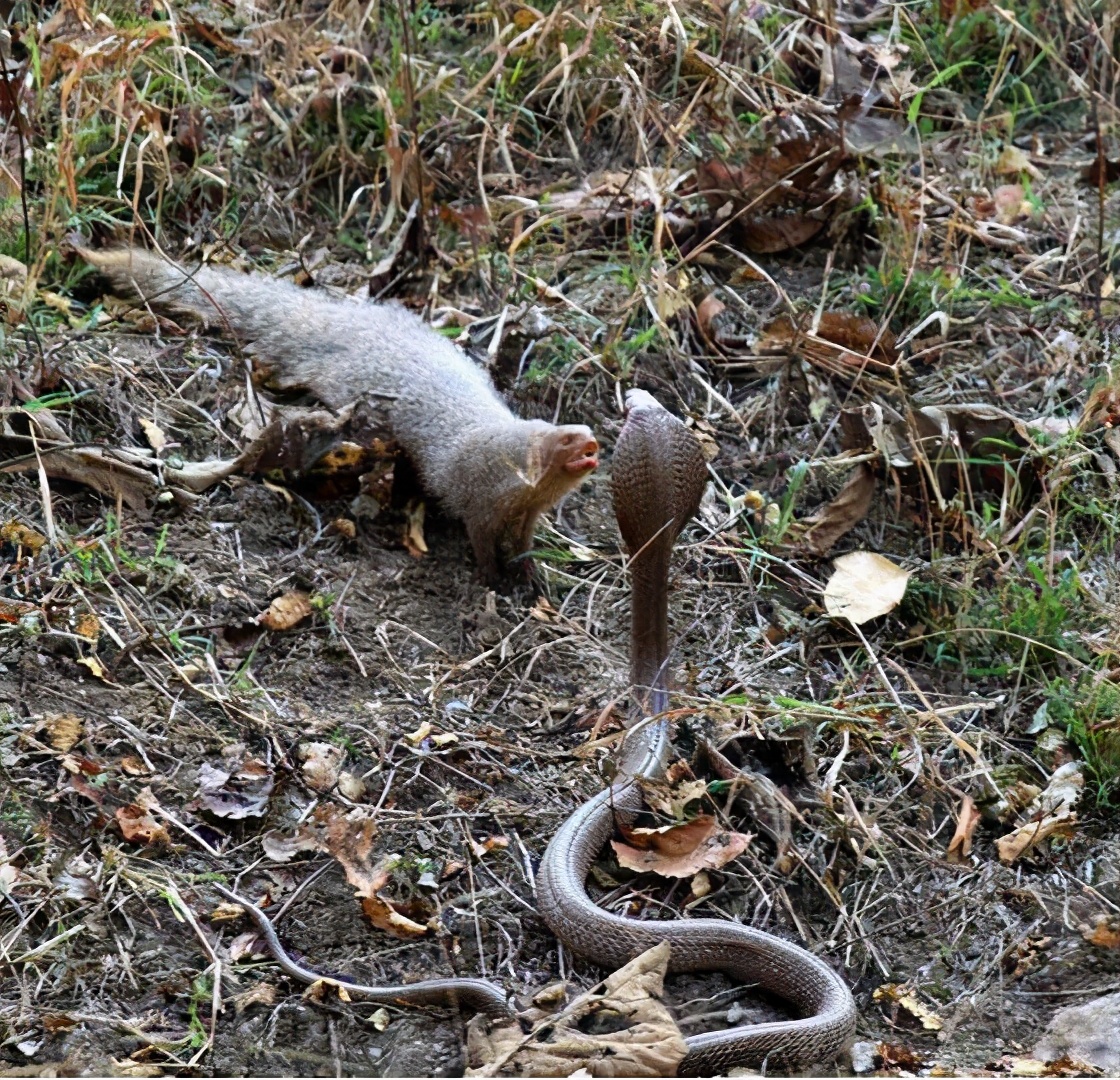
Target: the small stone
pixel 1088 1033
pixel 863 1057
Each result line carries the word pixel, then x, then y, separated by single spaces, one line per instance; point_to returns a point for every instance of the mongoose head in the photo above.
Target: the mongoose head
pixel 560 457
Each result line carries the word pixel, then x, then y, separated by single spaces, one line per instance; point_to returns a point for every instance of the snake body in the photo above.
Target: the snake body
pixel 657 480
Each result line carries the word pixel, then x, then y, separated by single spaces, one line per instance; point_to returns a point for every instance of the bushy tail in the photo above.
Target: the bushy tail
pixel 240 304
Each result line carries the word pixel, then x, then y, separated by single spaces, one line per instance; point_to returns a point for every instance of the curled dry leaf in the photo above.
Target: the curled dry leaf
pixel 414 542
pixel 961 844
pixel 1052 813
pixel 286 611
pixel 864 586
pixel 226 912
pixel 844 344
pixel 706 311
pixel 93 665
pixel 901 995
pixel 618 1028
pixel 680 851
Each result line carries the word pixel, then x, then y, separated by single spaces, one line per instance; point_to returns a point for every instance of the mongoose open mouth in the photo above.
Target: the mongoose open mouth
pixel 587 460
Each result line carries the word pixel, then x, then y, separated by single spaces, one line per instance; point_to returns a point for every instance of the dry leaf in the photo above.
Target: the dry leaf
pixel 961 844
pixel 618 1028
pixel 680 851
pixel 155 436
pixel 1104 932
pixel 1013 161
pixel 87 625
pixel 133 766
pixel 903 995
pixel 351 786
pixel 286 611
pixel 842 514
pixel 322 762
pixel 864 586
pixel 385 916
pixel 138 825
pixel 1052 811
pixel 258 994
pixel 770 235
pixel 237 795
pixel 226 912
pixel 18 535
pixel 420 734
pixel 282 849
pixel 94 666
pixel 414 529
pixel 64 730
pixel 671 799
pixel 706 311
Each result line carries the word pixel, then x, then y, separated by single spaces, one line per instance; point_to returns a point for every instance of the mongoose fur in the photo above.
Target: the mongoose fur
pixel 495 472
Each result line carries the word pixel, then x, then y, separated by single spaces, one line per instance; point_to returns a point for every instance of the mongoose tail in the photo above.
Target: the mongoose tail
pixel 495 472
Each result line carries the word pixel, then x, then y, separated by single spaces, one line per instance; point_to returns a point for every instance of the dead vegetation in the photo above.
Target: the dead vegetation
pixel 868 250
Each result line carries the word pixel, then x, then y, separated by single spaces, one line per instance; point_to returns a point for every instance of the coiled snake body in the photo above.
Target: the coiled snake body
pixel 657 478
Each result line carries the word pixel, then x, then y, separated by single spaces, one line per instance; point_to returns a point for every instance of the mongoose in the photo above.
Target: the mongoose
pixel 495 472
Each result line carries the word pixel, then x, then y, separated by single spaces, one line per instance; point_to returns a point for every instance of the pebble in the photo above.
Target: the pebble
pixel 1088 1033
pixel 863 1057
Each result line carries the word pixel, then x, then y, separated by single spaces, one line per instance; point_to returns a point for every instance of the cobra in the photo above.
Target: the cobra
pixel 657 479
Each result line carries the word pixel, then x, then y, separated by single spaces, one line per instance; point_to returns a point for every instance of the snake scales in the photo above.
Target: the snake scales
pixel 657 478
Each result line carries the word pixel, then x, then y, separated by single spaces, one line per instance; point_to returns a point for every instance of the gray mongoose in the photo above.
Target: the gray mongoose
pixel 487 467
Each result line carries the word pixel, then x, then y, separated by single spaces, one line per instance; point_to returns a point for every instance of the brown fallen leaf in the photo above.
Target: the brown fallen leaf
pixel 706 311
pixel 902 995
pixel 385 916
pixel 844 344
pixel 618 1028
pixel 14 533
pixel 286 611
pixel 257 994
pixel 961 844
pixel 1052 812
pixel 838 517
pixel 137 824
pixel 88 625
pixel 1104 932
pixel 771 235
pixel 680 851
pixel 322 762
pixel 414 529
pixel 64 730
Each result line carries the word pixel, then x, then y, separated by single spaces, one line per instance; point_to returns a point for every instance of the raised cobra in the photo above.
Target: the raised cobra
pixel 657 478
